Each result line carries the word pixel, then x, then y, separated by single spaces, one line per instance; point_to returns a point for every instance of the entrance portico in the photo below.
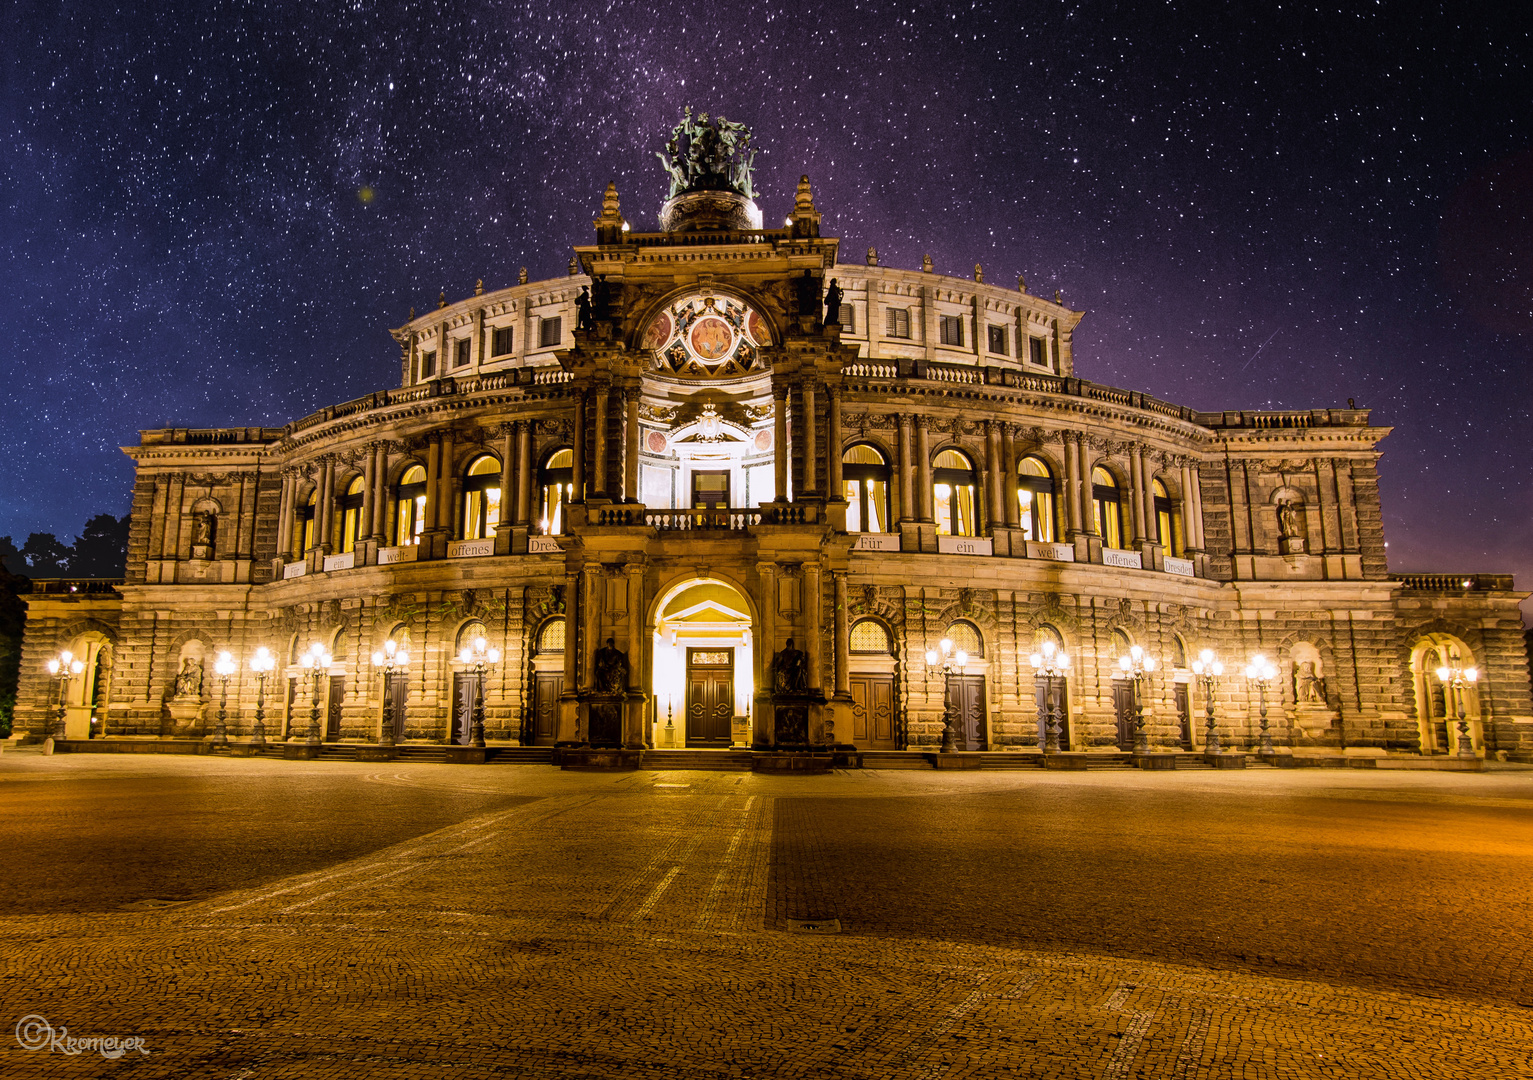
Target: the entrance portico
pixel 701 679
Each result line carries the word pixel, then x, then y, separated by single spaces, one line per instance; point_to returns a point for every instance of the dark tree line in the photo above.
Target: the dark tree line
pixel 100 551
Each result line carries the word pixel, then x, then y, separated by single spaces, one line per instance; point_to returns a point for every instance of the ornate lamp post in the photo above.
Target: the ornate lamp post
pixel 948 662
pixel 261 663
pixel 1050 662
pixel 63 667
pixel 1457 679
pixel 1137 665
pixel 478 659
pixel 1208 668
pixel 316 664
pixel 223 666
pixel 389 659
pixel 1261 672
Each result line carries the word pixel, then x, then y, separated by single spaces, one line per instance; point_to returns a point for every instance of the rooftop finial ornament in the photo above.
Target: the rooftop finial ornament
pixel 706 154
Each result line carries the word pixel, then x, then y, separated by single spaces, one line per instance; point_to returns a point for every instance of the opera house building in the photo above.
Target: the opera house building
pixel 728 488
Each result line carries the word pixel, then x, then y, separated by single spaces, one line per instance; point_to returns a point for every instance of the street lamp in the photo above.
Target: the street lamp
pixel 63 667
pixel 476 658
pixel 951 663
pixel 389 659
pixel 261 663
pixel 1261 672
pixel 223 666
pixel 316 663
pixel 1208 668
pixel 1137 665
pixel 1455 677
pixel 1050 662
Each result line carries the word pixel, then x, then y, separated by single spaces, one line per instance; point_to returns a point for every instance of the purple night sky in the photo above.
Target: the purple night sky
pixel 1278 208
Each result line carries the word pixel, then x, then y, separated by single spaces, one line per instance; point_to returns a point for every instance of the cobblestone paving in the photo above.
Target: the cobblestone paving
pixel 628 925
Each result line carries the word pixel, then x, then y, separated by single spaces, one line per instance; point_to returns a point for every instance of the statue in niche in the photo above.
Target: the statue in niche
pixel 611 669
pixel 189 678
pixel 204 530
pixel 1291 527
pixel 833 303
pixel 1308 686
pixel 583 309
pixel 790 671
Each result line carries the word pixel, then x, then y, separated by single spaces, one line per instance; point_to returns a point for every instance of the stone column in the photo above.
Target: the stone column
pixel 1195 499
pixel 507 476
pixel 324 506
pixel 599 472
pixel 905 483
pixel 378 528
pixel 445 487
pixel 433 482
pixel 1012 514
pixel 808 422
pixel 766 647
pixel 591 608
pixel 1069 500
pixel 285 517
pixel 812 625
pixel 834 450
pixel 523 471
pixel 1136 493
pixel 578 452
pixel 780 440
pixel 369 495
pixel 568 706
pixel 924 468
pixel 631 445
pixel 843 641
pixel 994 514
pixel 1083 471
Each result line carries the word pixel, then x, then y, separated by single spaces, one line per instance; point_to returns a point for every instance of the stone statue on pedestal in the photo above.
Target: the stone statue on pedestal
pixel 790 671
pixel 611 669
pixel 189 679
pixel 833 303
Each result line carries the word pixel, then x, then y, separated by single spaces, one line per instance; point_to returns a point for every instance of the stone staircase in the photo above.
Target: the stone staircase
pixel 707 760
pixel 894 759
pixel 520 755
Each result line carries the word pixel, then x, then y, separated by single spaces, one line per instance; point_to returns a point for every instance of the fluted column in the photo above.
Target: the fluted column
pixel 631 444
pixel 780 441
pixel 924 468
pixel 908 510
pixel 843 640
pixel 808 424
pixel 834 450
pixel 523 471
pixel 578 452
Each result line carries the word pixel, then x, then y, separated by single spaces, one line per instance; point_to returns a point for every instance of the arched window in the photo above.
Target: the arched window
pixel 551 637
pixel 865 477
pixel 306 520
pixel 1047 633
pixel 350 508
pixel 953 488
pixel 1120 646
pixel 481 498
pixel 1178 652
pixel 410 519
pixel 965 636
pixel 1035 491
pixel 1109 507
pixel 471 632
pixel 870 636
pixel 557 479
pixel 1168 522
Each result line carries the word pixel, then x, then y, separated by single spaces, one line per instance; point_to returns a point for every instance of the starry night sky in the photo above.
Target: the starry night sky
pixel 1272 209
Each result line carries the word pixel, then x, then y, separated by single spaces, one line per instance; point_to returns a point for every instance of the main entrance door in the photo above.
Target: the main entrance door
pixel 873 712
pixel 1123 706
pixel 547 688
pixel 710 696
pixel 966 696
pixel 465 689
pixel 333 708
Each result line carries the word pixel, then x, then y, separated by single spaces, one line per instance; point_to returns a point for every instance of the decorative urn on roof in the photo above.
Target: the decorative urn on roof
pixel 709 161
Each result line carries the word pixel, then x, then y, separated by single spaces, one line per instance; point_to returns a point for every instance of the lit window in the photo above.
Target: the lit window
pixel 556 478
pixel 351 515
pixel 965 637
pixel 481 498
pixel 1168 522
pixel 953 490
pixel 1035 493
pixel 551 637
pixel 869 636
pixel 865 480
pixel 306 520
pixel 1109 507
pixel 410 518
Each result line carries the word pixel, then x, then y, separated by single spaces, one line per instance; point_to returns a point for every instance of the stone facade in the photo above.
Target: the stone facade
pixel 677 449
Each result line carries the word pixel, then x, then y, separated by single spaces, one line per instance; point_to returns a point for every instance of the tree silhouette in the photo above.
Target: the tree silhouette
pixel 101 550
pixel 46 556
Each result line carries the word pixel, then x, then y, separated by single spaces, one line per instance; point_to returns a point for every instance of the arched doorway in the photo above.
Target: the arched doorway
pixel 1437 705
pixel 703 664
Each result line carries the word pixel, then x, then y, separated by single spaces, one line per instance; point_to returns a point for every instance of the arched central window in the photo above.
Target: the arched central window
pixel 1168 522
pixel 1035 492
pixel 481 498
pixel 953 490
pixel 551 637
pixel 1109 507
pixel 306 520
pixel 350 507
pixel 557 479
pixel 410 518
pixel 865 477
pixel 965 637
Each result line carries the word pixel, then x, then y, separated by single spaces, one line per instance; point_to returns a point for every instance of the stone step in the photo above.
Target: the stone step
pixel 894 759
pixel 707 760
pixel 520 755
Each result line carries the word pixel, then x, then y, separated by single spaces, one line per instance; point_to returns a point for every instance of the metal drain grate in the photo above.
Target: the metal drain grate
pixel 814 926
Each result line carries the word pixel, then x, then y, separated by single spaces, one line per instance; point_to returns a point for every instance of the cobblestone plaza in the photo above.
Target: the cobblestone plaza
pixel 413 920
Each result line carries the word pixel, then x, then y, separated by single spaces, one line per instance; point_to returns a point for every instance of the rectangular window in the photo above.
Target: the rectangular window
pixel 998 340
pixel 550 333
pixel 460 353
pixel 428 364
pixel 505 341
pixel 898 322
pixel 1038 351
pixel 846 315
pixel 952 330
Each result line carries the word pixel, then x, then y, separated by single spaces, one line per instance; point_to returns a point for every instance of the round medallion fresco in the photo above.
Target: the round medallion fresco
pixel 707 337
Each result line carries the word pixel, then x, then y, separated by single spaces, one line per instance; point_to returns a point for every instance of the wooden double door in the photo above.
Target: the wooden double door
pixel 465 693
pixel 710 697
pixel 1123 709
pixel 547 689
pixel 873 712
pixel 966 697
